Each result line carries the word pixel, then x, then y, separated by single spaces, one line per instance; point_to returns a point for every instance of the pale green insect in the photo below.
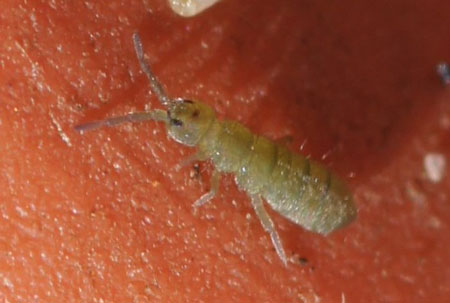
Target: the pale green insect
pixel 299 189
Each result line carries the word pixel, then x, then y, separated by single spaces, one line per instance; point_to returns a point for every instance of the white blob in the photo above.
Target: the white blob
pixel 189 8
pixel 435 165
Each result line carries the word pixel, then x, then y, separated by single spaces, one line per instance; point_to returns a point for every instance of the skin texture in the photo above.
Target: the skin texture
pixel 106 217
pixel 300 189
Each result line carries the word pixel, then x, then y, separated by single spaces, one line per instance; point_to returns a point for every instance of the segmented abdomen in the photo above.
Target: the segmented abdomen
pixel 300 189
pixel 308 194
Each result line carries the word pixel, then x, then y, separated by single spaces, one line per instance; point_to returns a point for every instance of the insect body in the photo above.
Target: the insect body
pixel 294 186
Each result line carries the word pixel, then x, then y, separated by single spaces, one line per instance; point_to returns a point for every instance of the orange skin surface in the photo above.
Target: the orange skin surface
pixel 105 217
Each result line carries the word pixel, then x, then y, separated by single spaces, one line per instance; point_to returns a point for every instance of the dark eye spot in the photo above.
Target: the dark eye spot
pixel 188 101
pixel 195 113
pixel 176 122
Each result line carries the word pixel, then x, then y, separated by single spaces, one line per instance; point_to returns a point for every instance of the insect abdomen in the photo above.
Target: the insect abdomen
pixel 308 194
pixel 301 190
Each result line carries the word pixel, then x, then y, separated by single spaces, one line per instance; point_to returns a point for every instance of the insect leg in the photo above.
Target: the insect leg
pixel 156 115
pixel 268 225
pixel 212 192
pixel 198 156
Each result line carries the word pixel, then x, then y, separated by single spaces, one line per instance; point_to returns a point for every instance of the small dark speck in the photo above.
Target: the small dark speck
pixel 443 71
pixel 195 171
pixel 176 122
pixel 302 261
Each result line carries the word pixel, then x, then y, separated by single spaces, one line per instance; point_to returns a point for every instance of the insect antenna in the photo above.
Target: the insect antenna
pixel 157 115
pixel 154 83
